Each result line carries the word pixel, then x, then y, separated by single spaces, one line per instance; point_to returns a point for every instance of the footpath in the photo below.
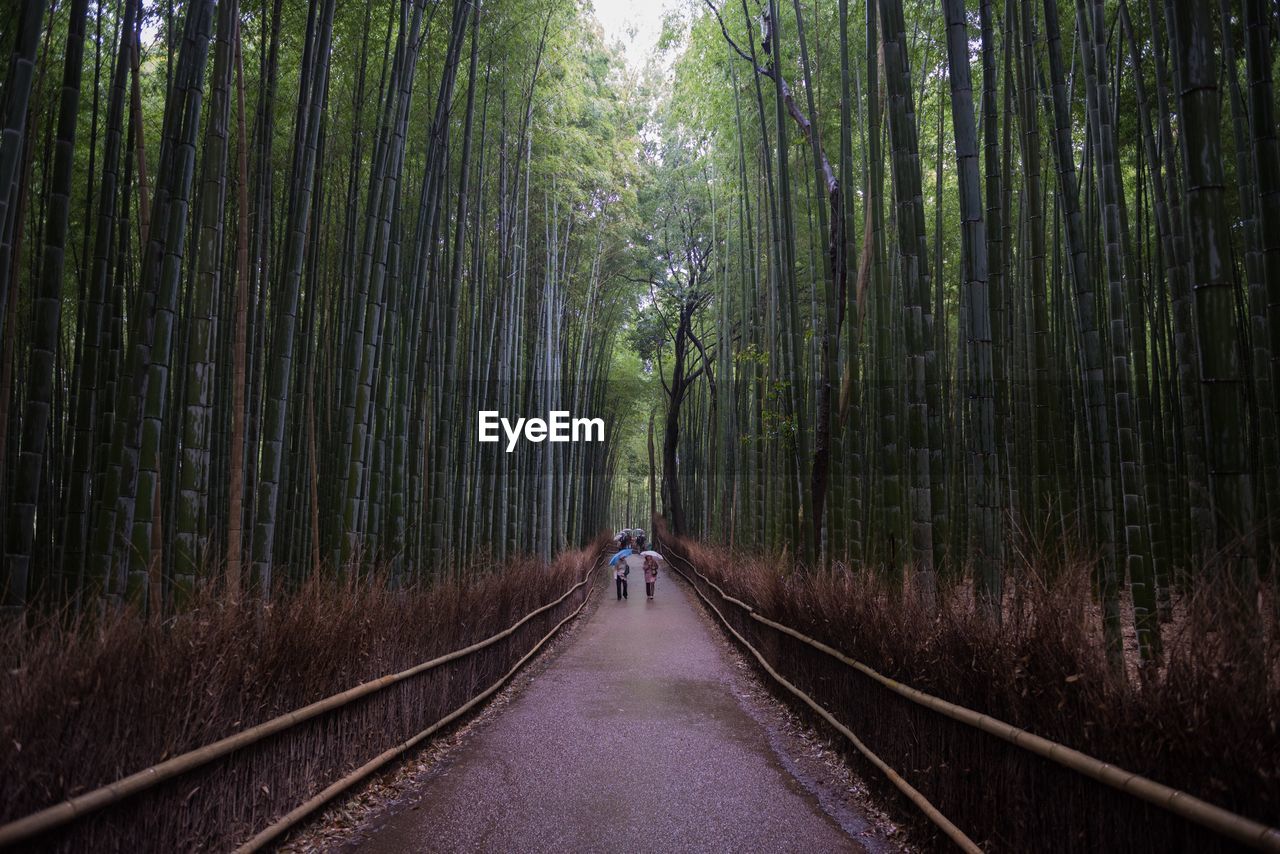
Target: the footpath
pixel 632 740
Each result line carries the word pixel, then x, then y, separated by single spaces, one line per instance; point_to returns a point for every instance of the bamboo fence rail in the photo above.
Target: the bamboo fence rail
pixel 931 812
pixel 1238 828
pixel 72 809
pixel 281 825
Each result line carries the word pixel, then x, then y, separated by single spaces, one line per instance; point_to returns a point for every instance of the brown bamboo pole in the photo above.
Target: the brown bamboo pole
pixel 239 358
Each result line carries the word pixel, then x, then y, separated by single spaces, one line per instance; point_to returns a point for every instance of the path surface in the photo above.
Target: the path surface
pixel 631 740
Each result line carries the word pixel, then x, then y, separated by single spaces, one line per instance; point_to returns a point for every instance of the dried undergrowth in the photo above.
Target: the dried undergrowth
pixel 86 702
pixel 1206 721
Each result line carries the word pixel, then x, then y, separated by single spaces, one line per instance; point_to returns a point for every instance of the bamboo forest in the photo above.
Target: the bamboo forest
pixel 924 355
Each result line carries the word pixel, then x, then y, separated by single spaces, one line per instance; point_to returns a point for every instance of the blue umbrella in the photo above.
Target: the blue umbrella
pixel 619 556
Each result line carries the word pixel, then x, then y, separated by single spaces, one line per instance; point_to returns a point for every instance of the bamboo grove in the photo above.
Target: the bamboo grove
pixel 986 291
pixel 952 290
pixel 261 263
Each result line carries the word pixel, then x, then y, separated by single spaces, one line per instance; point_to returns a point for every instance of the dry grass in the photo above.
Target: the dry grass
pixel 1207 721
pixel 86 703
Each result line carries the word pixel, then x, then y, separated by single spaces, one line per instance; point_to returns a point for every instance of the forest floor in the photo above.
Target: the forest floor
pixel 642 731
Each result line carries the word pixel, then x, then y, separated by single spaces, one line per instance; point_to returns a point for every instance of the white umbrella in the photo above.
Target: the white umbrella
pixel 653 554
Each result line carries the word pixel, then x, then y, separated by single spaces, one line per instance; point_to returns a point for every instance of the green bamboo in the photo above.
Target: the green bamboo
pixel 974 261
pixel 18 581
pixel 1222 375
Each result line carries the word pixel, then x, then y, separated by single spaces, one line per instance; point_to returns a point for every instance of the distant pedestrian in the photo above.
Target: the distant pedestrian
pixel 650 574
pixel 620 573
pixel 637 539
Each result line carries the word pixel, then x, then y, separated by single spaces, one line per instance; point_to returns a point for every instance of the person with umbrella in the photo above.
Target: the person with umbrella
pixel 621 571
pixel 651 559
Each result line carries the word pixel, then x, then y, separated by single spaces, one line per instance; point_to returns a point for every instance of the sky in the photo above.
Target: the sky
pixel 636 23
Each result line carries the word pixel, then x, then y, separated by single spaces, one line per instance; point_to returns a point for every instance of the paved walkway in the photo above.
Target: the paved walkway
pixel 631 740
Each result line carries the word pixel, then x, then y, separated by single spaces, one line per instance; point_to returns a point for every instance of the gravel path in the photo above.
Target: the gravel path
pixel 635 738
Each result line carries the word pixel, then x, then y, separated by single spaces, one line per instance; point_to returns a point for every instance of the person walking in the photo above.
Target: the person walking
pixel 650 574
pixel 620 573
